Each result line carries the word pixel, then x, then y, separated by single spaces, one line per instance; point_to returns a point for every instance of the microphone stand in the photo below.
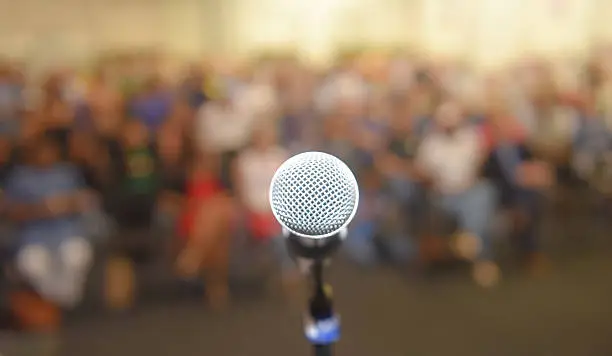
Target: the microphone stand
pixel 321 324
pixel 322 327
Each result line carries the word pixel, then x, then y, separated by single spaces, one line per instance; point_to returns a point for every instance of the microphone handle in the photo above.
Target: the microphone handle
pixel 323 350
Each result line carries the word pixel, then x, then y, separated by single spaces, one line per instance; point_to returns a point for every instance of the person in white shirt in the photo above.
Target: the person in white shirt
pixel 551 124
pixel 254 169
pixel 451 157
pixel 346 88
pixel 258 96
pixel 224 130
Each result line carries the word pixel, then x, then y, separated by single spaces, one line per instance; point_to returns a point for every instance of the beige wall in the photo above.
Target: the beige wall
pixel 489 32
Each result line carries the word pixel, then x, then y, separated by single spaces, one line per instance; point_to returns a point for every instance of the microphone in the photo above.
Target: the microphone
pixel 314 196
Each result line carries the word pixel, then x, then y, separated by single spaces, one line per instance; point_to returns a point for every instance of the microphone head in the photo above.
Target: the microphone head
pixel 314 195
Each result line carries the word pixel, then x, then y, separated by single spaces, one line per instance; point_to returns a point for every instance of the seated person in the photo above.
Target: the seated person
pixel 153 106
pixel 450 158
pixel 592 148
pixel 339 137
pixel 397 160
pixel 225 130
pixel 132 204
pixel 519 179
pixel 366 244
pixel 7 159
pixel 46 199
pixel 255 168
pixel 174 157
pixel 205 229
pixel 88 154
pixel 6 237
pixel 553 128
pixel 7 162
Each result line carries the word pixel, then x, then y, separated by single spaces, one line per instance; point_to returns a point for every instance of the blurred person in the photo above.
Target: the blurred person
pixel 56 113
pixel 499 107
pixel 130 76
pixel 397 161
pixel 520 179
pixel 296 89
pixel 224 130
pixel 599 82
pixel 7 160
pixel 553 127
pixel 134 167
pixel 400 74
pixel 153 105
pixel 450 159
pixel 592 145
pixel 73 87
pixel 88 153
pixel 175 156
pixel 339 137
pixel 105 105
pixel 258 96
pixel 7 164
pixel 343 87
pixel 255 168
pixel 32 127
pixel 175 151
pixel 11 99
pixel 300 130
pixel 425 93
pixel 193 87
pixel 205 229
pixel 46 200
pixel 375 236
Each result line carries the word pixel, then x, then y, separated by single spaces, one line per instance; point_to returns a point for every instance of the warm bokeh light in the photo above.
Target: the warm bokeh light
pixel 489 32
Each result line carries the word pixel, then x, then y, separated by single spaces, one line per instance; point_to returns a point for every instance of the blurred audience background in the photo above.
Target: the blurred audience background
pixel 146 133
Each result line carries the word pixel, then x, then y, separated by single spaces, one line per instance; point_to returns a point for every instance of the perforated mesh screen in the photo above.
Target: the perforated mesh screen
pixel 314 194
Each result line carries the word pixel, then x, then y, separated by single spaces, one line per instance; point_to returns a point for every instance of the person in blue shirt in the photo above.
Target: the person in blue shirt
pixel 371 241
pixel 520 180
pixel 45 200
pixel 592 148
pixel 153 106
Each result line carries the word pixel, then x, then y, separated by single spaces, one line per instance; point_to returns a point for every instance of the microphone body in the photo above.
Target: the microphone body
pixel 314 196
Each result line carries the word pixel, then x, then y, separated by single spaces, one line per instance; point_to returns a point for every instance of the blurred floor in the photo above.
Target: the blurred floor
pixel 567 313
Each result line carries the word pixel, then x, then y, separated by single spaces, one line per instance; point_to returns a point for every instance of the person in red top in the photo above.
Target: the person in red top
pixel 253 171
pixel 205 228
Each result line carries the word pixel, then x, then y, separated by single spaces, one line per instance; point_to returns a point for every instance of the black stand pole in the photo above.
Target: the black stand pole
pixel 322 327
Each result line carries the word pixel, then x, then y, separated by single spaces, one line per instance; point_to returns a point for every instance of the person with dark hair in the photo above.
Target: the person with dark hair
pixel 132 204
pixel 371 240
pixel 104 105
pixel 520 180
pixel 397 161
pixel 225 130
pixel 450 158
pixel 45 199
pixel 205 229
pixel 254 170
pixel 192 88
pixel 153 106
pixel 57 113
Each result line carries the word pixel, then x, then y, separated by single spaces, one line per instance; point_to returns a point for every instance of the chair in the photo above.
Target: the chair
pixel 435 231
pixel 135 259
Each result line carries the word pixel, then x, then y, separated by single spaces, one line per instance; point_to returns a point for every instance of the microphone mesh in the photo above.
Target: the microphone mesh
pixel 314 194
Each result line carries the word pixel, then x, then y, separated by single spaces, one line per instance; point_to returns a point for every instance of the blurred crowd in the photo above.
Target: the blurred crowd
pixel 141 164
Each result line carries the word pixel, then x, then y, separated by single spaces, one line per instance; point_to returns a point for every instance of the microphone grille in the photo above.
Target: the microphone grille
pixel 314 194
